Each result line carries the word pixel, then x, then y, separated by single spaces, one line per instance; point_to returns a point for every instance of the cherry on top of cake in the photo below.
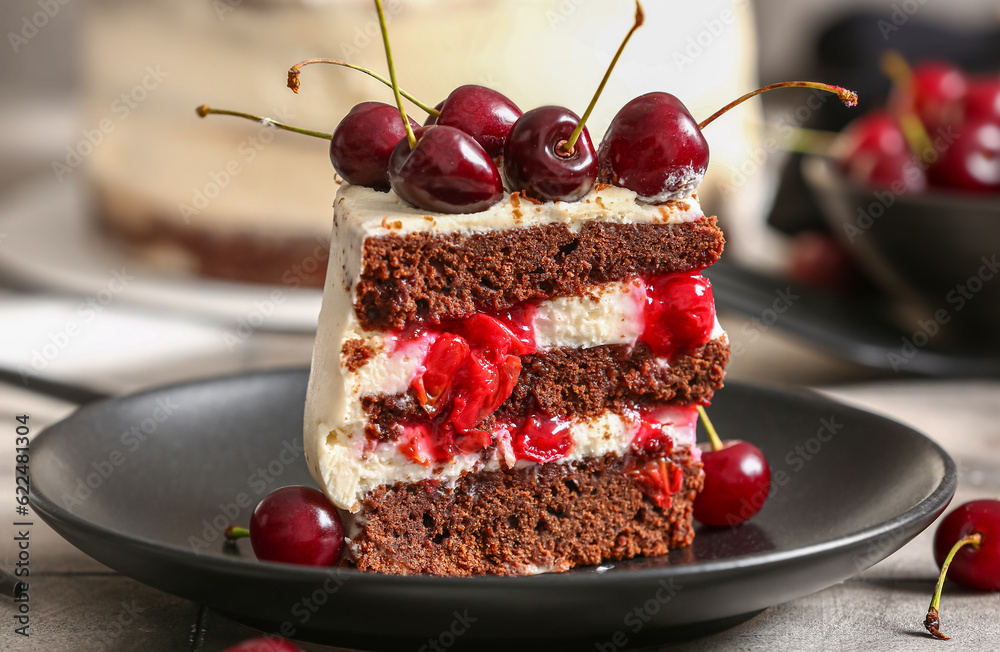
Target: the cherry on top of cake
pixel 452 165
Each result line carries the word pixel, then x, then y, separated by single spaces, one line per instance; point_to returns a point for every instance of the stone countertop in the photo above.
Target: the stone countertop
pixel 78 603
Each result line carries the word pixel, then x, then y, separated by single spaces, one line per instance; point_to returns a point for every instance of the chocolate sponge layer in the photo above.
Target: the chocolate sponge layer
pixel 422 276
pixel 546 517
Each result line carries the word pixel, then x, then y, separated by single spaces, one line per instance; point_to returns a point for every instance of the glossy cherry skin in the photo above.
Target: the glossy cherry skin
pixel 972 162
pixel 534 159
pixel 447 172
pixel 983 99
pixel 297 525
pixel 972 567
pixel 264 644
pixel 363 141
pixel 655 148
pixel 737 482
pixel 481 112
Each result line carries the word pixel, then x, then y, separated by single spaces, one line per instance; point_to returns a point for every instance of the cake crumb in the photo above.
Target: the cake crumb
pixel 515 202
pixel 600 202
pixel 601 186
pixel 531 199
pixel 386 224
pixel 355 354
pixel 429 219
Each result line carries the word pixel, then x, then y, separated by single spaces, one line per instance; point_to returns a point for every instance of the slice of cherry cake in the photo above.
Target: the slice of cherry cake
pixel 513 391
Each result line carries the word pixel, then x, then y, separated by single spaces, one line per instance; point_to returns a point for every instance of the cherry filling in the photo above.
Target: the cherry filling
pixel 679 313
pixel 472 365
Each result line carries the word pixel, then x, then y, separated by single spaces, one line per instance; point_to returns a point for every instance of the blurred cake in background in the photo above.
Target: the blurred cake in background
pixel 232 199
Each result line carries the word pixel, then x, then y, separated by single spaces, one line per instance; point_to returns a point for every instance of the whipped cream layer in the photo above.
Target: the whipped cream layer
pixel 348 467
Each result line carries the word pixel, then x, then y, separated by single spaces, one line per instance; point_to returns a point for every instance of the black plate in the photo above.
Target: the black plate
pixel 140 482
pixel 860 328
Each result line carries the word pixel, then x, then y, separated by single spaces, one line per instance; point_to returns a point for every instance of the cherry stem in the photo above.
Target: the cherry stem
pixel 849 98
pixel 899 72
pixel 410 137
pixel 640 18
pixel 205 110
pixel 710 429
pixel 931 622
pixel 294 83
pixel 234 532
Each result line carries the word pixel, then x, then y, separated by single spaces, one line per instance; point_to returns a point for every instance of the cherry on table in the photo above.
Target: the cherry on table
pixel 481 112
pixel 363 141
pixel 737 480
pixel 445 170
pixel 966 545
pixel 294 525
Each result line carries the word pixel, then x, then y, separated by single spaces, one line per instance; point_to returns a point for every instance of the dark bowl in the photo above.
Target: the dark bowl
pixel 937 254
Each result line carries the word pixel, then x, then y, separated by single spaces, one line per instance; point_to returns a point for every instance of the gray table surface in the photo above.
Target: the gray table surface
pixel 78 603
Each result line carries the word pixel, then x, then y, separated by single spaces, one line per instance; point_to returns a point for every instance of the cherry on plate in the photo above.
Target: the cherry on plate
pixel 737 480
pixel 295 525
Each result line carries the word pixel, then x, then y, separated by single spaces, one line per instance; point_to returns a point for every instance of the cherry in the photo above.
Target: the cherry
pixel 935 93
pixel 264 644
pixel 873 151
pixel 535 159
pixel 658 478
pixel 294 525
pixel 549 154
pixel 542 439
pixel 481 112
pixel 874 134
pixel 656 149
pixel 679 314
pixel 363 141
pixel 818 259
pixel 983 99
pixel 432 118
pixel 967 544
pixel 737 480
pixel 445 170
pixel 445 357
pixel 972 162
pixel 651 440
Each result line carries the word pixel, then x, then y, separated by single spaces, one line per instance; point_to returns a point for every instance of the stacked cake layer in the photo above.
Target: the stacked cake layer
pixel 513 391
